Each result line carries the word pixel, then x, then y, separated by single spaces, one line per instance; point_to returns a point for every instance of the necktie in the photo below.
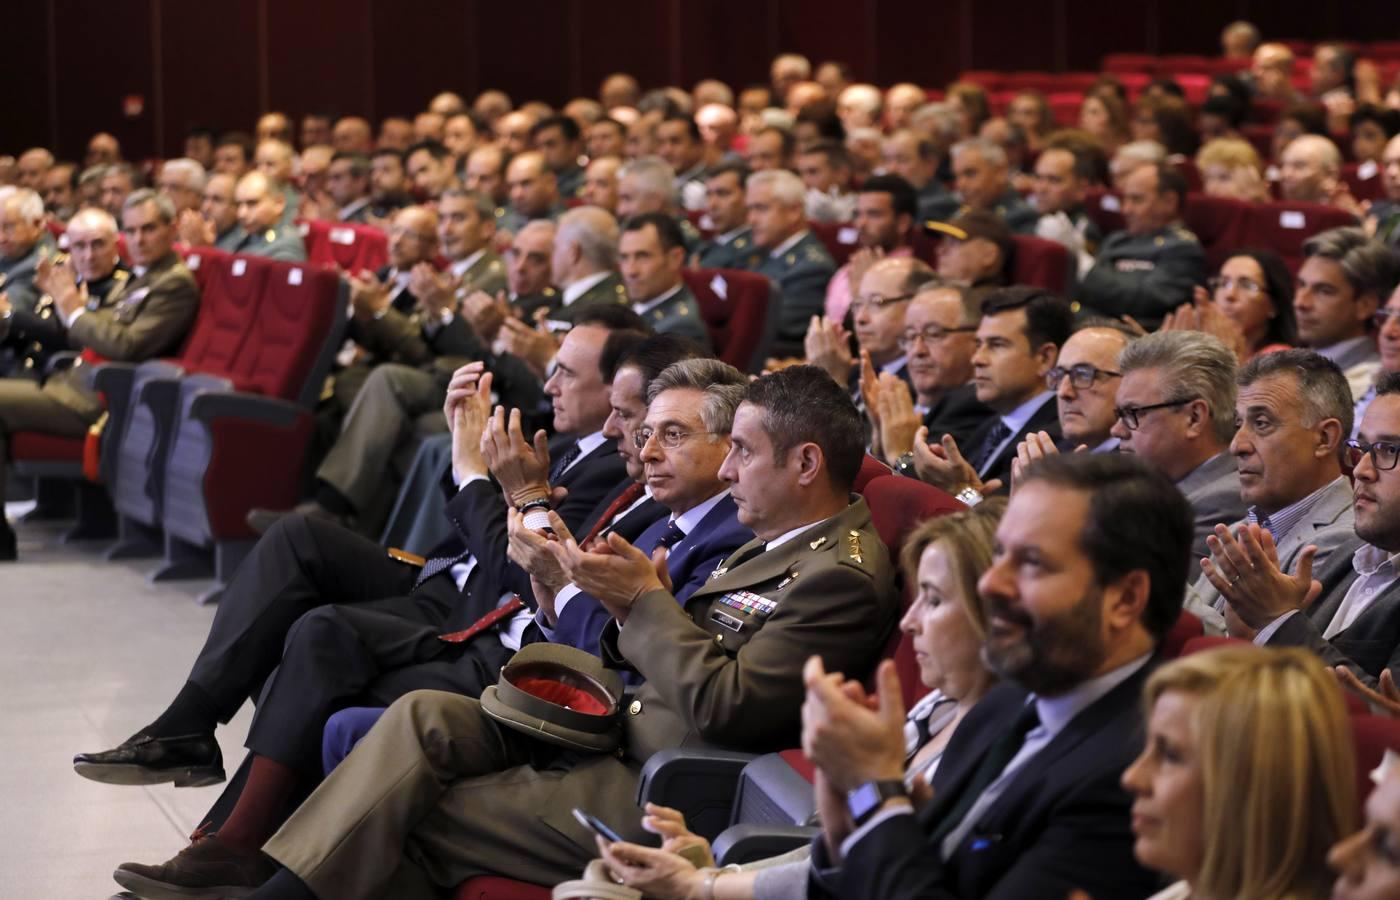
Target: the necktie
pixel 438 564
pixel 983 454
pixel 671 536
pixel 993 763
pixel 504 611
pixel 563 462
pixel 624 500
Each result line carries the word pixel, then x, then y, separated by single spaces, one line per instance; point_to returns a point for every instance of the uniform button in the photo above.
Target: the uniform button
pixel 635 708
pixel 719 639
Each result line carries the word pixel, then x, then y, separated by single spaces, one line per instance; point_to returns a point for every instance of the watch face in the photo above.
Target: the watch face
pixel 861 800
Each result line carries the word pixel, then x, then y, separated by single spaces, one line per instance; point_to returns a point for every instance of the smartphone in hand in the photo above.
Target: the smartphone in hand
pixel 595 825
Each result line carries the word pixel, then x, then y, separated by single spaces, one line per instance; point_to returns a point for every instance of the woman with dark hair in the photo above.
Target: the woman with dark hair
pixel 1166 120
pixel 1248 305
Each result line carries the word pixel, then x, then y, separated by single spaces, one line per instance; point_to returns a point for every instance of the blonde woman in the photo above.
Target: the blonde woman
pixel 1231 167
pixel 943 558
pixel 1247 776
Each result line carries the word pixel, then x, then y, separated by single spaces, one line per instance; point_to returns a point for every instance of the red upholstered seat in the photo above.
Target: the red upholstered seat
pixel 231 291
pixel 1219 223
pixel 838 238
pixel 1186 628
pixel 1129 62
pixel 489 887
pixel 1371 737
pixel 738 320
pixel 36 446
pixel 870 469
pixel 344 245
pixel 1105 209
pixel 1282 226
pixel 1366 185
pixel 1042 263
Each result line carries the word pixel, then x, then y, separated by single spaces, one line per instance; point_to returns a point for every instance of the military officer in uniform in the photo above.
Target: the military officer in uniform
pixel 788 253
pixel 561 142
pixel 438 791
pixel 980 176
pixel 23 242
pixel 732 242
pixel 1152 266
pixel 145 320
pixel 466 227
pixel 216 223
pixel 533 190
pixel 30 339
pixel 261 204
pixel 651 254
pixel 584 264
pixel 348 183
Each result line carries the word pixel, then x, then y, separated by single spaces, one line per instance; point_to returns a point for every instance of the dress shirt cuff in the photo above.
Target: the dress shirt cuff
pixel 875 821
pixel 463 482
pixel 1269 630
pixel 70 319
pixel 561 599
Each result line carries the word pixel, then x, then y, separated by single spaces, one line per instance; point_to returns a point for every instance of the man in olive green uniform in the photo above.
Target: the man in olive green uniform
pixel 533 190
pixel 438 791
pixel 29 339
pixel 262 202
pixel 732 242
pixel 148 319
pixel 1151 267
pixel 788 253
pixel 584 265
pixel 23 242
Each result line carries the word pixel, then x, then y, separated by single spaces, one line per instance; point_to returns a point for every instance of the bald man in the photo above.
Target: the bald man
pixel 1310 170
pixel 277 160
pixel 31 167
pixel 273 126
pixel 262 202
pixel 533 191
pixel 24 241
pixel 1271 72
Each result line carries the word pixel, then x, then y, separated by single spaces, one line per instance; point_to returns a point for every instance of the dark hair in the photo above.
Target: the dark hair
pixel 436 149
pixel 1278 283
pixel 618 345
pixel 200 131
pixel 649 355
pixel 784 136
pixel 842 69
pixel 803 404
pixel 903 197
pixel 1170 180
pixel 612 316
pixel 1323 392
pixel 1227 107
pixel 668 230
pixel 1388 384
pixel 1049 319
pixel 565 124
pixel 240 139
pixel 609 120
pixel 837 156
pixel 737 169
pixel 1234 87
pixel 1168 86
pixel 1387 119
pixel 822 114
pixel 359 163
pixel 1137 520
pixel 388 151
pixel 1090 162
pixel 1311 116
pixel 691 128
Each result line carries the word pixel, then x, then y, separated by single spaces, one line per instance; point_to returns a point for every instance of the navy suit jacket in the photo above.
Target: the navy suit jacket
pixel 1046 418
pixel 1062 821
pixel 690 563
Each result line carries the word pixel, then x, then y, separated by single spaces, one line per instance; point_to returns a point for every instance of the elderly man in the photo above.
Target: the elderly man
pixel 859 106
pixel 1310 170
pixel 885 207
pixel 901 101
pixel 216 222
pixel 28 339
pixel 560 141
pixel 24 241
pixel 1272 74
pixel 1018 342
pixel 1238 40
pixel 1152 266
pixel 651 255
pixel 727 216
pixel 102 150
pixel 600 185
pixel 273 126
pixel 262 202
pixel 786 251
pixel 1176 410
pixel 1084 380
pixel 182 182
pixel 981 177
pixel 1028 800
pixel 1345 277
pixel 533 190
pixel 118 181
pixel 796 501
pixel 584 263
pixel 31 167
pixel 147 319
pixel 719 127
pixel 916 159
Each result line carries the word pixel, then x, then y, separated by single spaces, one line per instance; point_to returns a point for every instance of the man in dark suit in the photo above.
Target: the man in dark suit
pixel 147 319
pixel 1018 342
pixel 1350 615
pixel 1026 801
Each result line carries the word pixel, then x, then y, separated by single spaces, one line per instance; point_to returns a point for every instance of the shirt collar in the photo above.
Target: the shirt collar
pixel 586 445
pixel 789 535
pixel 788 244
pixel 894 365
pixel 1108 446
pixel 581 287
pixel 1057 712
pixel 1369 560
pixel 351 208
pixel 460 267
pixel 1018 417
pixel 654 302
pixel 1284 521
pixel 729 236
pixel 687 520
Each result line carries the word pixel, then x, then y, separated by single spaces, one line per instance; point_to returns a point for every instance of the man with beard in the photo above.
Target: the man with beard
pixel 1086 579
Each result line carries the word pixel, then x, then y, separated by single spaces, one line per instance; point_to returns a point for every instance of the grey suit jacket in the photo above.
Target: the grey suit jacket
pixel 1213 490
pixel 1327 526
pixel 1372 641
pixel 680 314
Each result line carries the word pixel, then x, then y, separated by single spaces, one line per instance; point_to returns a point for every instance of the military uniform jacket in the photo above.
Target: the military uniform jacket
pixel 148 319
pixel 569 181
pixel 230 240
pixel 609 290
pixel 725 670
pixel 802 272
pixel 34 337
pixel 680 314
pixel 282 241
pixel 1145 276
pixel 1012 209
pixel 732 255
pixel 17 275
pixel 513 220
pixel 936 202
pixel 487 274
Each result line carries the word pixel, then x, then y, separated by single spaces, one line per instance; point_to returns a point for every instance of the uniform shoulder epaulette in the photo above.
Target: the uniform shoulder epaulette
pixel 1184 234
pixel 853 549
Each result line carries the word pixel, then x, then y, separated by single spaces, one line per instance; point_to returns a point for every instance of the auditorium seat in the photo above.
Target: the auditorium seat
pixel 1043 263
pixel 344 245
pixel 1105 209
pixel 1129 62
pixel 839 238
pixel 1064 106
pixel 1282 226
pixel 1364 180
pixel 702 222
pixel 1371 736
pixel 735 306
pixel 1219 223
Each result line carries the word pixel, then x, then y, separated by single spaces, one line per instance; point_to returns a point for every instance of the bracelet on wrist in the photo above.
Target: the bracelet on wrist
pixel 537 503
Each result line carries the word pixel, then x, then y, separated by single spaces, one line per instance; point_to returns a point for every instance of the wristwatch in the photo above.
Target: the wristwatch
pixel 904 465
pixel 863 801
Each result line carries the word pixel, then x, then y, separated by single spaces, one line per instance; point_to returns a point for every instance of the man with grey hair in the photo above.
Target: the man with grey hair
pixel 1310 171
pixel 118 181
pixel 859 106
pixel 916 158
pixel 648 185
pixel 262 202
pixel 787 252
pixel 1294 412
pixel 787 70
pixel 1175 408
pixel 900 102
pixel 182 181
pixel 584 264
pixel 24 241
pixel 1346 275
pixel 982 180
pixel 146 320
pixel 1133 156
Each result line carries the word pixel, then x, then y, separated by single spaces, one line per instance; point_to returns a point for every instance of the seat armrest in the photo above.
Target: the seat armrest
pixel 739 844
pixel 700 783
pixel 210 405
pixel 63 359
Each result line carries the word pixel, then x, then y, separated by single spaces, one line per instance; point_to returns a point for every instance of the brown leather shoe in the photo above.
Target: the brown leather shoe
pixel 207 869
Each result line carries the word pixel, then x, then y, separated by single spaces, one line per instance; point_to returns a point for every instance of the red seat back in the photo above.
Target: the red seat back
pixel 839 238
pixel 491 887
pixel 702 222
pixel 344 245
pixel 1219 223
pixel 1129 62
pixel 1105 209
pixel 1282 226
pixel 738 320
pixel 1042 263
pixel 1371 737
pixel 1187 627
pixel 1364 184
pixel 870 469
pixel 231 292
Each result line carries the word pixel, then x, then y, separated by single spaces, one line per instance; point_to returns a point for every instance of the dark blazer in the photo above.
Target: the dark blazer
pixel 629 526
pixel 1370 644
pixel 689 563
pixel 1062 822
pixel 959 413
pixel 1047 419
pixel 481 504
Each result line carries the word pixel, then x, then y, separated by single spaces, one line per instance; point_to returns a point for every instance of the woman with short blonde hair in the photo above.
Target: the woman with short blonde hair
pixel 1248 776
pixel 1231 167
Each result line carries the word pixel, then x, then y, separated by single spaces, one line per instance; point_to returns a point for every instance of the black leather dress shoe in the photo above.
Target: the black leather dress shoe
pixel 189 760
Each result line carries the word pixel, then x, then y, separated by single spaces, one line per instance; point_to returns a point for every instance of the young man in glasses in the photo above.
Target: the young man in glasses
pixel 1347 611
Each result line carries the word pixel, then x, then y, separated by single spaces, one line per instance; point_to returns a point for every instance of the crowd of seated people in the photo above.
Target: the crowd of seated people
pixel 1165 437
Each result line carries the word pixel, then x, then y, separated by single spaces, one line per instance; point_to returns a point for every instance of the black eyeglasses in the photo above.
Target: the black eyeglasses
pixel 1384 454
pixel 1130 414
pixel 1081 377
pixel 670 438
pixel 931 334
pixel 875 301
